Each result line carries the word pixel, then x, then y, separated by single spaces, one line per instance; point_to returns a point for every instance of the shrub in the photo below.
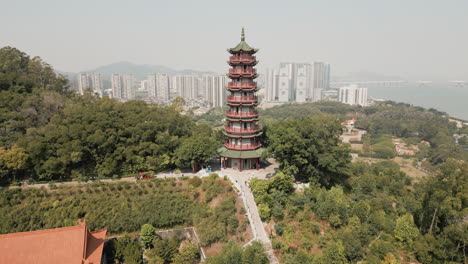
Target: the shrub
pixel 195 181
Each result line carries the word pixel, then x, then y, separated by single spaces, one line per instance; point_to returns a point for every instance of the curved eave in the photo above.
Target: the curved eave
pixel 242 89
pixel 240 154
pixel 233 76
pixel 242 104
pixel 231 63
pixel 251 119
pixel 232 135
pixel 243 49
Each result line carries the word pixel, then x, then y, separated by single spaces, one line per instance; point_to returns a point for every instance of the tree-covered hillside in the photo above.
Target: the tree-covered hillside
pixel 49 133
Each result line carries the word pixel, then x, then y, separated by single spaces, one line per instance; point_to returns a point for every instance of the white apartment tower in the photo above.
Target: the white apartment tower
pixel 116 84
pixel 303 82
pixel 151 78
pixel 96 83
pixel 162 87
pixel 186 86
pixel 214 89
pixel 271 85
pixel 353 95
pixel 128 85
pixel 286 82
pixel 321 80
pixel 83 82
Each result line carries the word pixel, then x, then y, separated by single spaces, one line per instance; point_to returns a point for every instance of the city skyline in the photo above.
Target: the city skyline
pixel 398 38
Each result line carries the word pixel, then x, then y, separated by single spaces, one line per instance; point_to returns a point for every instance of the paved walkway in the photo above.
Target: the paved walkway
pixel 357 136
pixel 241 180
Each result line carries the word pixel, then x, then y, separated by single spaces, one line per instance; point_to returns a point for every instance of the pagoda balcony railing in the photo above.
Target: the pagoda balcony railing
pixel 237 59
pixel 242 147
pixel 238 130
pixel 241 114
pixel 239 85
pixel 241 99
pixel 242 71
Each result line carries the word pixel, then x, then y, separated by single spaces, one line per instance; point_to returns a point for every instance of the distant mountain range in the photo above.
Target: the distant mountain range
pixel 140 71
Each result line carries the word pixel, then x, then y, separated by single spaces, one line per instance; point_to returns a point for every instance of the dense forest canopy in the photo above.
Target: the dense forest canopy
pixel 50 133
pixel 379 215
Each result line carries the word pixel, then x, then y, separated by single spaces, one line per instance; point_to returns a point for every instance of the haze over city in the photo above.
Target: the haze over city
pixel 409 39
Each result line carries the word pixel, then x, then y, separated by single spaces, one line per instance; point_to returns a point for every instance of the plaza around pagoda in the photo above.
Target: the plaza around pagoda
pixel 242 150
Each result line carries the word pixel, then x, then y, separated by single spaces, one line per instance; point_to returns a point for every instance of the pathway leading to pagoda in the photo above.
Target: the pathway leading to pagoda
pixel 240 180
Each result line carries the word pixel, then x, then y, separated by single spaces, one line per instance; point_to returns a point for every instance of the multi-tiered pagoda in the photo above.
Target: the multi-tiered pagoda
pixel 242 150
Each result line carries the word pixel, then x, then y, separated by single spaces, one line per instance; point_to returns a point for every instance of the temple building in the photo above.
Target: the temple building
pixel 242 150
pixel 71 245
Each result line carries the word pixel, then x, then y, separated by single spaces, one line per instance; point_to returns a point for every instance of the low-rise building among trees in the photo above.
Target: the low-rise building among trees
pixel 72 245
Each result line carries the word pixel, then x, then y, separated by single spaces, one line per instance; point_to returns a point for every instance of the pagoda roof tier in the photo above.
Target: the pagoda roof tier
pixel 244 119
pixel 242 46
pixel 240 154
pixel 242 89
pixel 241 104
pixel 232 135
pixel 242 63
pixel 235 76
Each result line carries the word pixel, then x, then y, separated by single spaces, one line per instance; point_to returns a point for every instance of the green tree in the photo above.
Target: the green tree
pixel 264 211
pixel 254 254
pixel 405 230
pixel 147 234
pixel 195 151
pixel 13 162
pixel 166 249
pixel 310 148
pixel 128 251
pixel 334 253
pixel 189 254
pixel 282 182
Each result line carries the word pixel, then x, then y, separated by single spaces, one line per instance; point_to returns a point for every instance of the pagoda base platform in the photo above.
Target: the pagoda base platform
pixel 240 159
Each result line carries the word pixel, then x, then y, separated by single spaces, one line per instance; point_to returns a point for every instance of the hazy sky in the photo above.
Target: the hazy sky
pixel 392 37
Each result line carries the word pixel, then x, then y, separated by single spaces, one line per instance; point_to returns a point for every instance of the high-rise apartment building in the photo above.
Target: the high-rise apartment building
pixel 321 80
pixel 151 78
pixel 83 82
pixel 162 87
pixel 186 86
pixel 128 85
pixel 353 95
pixel 297 82
pixel 214 89
pixel 286 82
pixel 144 85
pixel 116 85
pixel 271 85
pixel 96 83
pixel 303 82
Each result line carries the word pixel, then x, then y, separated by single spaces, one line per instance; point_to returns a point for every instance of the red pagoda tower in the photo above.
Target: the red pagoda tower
pixel 241 150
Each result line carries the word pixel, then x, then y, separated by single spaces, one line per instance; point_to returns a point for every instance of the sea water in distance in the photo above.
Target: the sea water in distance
pixel 445 97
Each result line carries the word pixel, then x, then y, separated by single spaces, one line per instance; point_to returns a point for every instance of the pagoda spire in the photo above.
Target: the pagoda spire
pixel 242 35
